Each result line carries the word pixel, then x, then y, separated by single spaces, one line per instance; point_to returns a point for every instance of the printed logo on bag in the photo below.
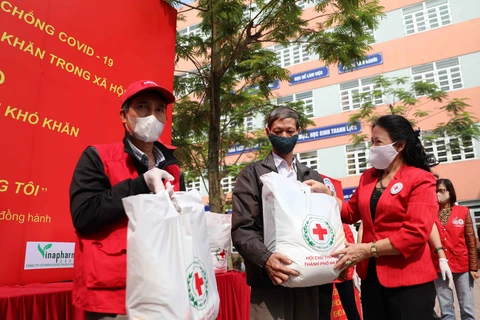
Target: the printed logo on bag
pixel 318 233
pixel 329 185
pixel 49 255
pixel 197 284
pixel 458 222
pixel 220 254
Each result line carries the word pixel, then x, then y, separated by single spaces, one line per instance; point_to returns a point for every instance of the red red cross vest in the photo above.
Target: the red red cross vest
pixel 453 240
pixel 100 259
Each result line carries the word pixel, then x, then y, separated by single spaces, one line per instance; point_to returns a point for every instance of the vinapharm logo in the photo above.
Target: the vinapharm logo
pixel 49 255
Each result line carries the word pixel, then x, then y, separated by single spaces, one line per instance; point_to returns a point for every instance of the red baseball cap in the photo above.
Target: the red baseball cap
pixel 141 85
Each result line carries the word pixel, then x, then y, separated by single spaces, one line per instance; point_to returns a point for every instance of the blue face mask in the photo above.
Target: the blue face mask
pixel 283 145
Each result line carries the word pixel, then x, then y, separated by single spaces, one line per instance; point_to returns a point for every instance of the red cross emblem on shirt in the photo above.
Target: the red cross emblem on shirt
pixel 198 284
pixel 319 231
pixel 222 254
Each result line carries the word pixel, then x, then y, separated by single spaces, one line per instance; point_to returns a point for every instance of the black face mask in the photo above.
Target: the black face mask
pixel 283 145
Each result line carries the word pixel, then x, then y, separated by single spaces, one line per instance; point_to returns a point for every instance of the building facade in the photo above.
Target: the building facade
pixel 435 41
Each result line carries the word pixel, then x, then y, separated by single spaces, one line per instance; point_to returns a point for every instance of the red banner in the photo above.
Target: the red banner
pixel 63 66
pixel 337 309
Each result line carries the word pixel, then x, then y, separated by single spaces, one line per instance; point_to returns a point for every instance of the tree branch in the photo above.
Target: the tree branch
pixel 197 165
pixel 190 6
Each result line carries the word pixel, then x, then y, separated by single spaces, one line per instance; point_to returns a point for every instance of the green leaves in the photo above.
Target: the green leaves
pixel 41 250
pixel 231 70
pixel 407 99
pixel 45 248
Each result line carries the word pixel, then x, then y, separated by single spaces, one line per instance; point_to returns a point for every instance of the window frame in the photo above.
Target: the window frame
pixel 439 74
pixel 360 148
pixel 310 107
pixel 425 15
pixel 445 151
pixel 352 102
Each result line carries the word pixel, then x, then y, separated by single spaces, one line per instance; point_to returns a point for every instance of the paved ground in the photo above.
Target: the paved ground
pixel 476 289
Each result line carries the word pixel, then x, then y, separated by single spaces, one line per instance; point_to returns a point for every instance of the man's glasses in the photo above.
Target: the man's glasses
pixel 441 190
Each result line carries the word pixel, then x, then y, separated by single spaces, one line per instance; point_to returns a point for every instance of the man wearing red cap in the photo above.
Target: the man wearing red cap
pixel 105 174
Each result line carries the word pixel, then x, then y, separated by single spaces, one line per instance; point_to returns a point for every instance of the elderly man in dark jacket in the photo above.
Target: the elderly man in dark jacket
pixel 266 271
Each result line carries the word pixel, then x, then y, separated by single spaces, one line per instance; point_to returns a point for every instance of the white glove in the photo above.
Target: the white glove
pixel 153 178
pixel 357 281
pixel 446 272
pixel 169 189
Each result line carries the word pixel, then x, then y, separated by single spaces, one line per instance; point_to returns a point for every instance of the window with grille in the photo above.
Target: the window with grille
pixel 446 74
pixel 192 30
pixel 310 159
pixel 228 183
pixel 251 12
pixel 371 32
pixel 183 31
pixel 306 97
pixel 447 149
pixel 357 158
pixel 306 4
pixel 291 54
pixel 426 15
pixel 193 184
pixel 227 124
pixel 183 91
pixel 350 90
pixel 248 124
pixel 475 211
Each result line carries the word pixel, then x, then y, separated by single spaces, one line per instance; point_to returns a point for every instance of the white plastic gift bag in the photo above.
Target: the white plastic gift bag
pixel 304 226
pixel 156 282
pixel 219 226
pixel 200 276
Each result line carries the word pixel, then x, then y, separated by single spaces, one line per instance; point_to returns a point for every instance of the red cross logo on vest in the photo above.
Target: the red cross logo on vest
pixel 198 283
pixel 319 231
pixel 222 254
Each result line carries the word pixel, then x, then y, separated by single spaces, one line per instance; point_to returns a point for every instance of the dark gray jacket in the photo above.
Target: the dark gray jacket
pixel 247 217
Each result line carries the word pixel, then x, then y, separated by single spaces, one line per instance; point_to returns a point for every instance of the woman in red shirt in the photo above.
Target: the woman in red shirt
pixel 397 204
pixel 459 243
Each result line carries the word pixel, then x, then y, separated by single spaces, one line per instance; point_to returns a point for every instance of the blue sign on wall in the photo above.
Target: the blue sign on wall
pixel 275 85
pixel 309 75
pixel 367 62
pixel 348 193
pixel 335 130
pixel 237 149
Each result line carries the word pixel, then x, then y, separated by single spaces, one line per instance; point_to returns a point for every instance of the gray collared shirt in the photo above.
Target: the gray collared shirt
pixel 143 158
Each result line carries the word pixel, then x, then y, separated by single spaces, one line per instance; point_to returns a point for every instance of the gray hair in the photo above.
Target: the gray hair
pixel 281 113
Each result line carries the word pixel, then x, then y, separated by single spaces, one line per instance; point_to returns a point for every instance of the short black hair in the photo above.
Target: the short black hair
pixel 451 190
pixel 282 113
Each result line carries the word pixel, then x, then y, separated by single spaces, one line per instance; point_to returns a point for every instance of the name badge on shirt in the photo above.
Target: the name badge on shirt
pixel 396 188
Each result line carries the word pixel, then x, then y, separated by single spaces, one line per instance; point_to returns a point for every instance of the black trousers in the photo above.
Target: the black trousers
pixel 347 296
pixel 402 303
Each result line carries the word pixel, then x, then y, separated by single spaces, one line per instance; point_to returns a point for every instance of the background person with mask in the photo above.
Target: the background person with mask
pixel 397 205
pixel 105 174
pixel 266 271
pixel 460 246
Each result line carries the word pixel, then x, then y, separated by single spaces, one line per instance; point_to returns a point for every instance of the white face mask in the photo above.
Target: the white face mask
pixel 382 156
pixel 443 198
pixel 146 129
